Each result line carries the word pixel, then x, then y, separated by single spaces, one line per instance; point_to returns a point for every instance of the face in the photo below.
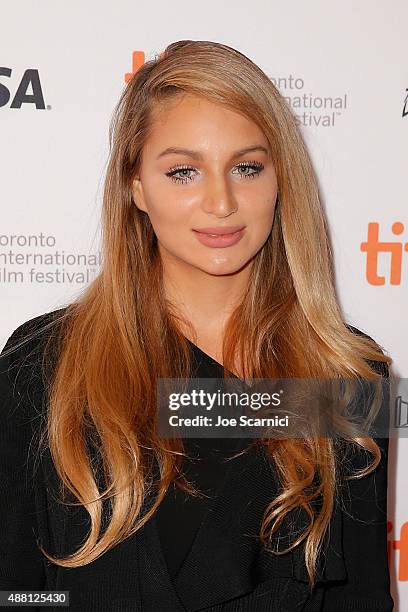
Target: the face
pixel 215 184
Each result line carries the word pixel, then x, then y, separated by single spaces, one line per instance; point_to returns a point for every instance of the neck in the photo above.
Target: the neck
pixel 204 300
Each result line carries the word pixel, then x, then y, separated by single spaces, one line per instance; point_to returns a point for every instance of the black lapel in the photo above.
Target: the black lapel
pixel 226 561
pixel 218 566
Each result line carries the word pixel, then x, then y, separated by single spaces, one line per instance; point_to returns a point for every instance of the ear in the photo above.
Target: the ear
pixel 137 193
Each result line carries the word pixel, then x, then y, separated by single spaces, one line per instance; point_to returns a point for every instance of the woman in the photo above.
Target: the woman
pixel 201 143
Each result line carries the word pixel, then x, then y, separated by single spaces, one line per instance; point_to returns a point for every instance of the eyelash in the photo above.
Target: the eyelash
pixel 257 166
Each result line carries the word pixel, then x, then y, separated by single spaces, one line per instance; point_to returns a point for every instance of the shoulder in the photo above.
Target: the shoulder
pixel 33 327
pixel 381 367
pixel 31 331
pixel 21 358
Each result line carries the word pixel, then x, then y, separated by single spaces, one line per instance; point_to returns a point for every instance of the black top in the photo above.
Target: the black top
pixel 180 515
pixel 223 569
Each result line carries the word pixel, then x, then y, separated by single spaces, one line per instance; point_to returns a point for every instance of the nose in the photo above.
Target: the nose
pixel 218 198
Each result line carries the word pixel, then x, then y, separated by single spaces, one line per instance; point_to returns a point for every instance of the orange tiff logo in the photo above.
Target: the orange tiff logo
pixel 402 546
pixel 373 247
pixel 138 59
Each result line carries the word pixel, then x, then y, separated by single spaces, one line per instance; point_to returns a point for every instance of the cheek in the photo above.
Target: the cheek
pixel 167 213
pixel 261 215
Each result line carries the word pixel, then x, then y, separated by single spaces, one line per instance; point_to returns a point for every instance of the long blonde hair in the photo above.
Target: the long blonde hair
pixel 121 334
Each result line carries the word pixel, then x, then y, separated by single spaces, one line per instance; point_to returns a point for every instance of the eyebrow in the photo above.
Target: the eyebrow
pixel 198 156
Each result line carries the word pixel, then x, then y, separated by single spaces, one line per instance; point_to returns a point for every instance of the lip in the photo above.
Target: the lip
pixel 220 240
pixel 219 230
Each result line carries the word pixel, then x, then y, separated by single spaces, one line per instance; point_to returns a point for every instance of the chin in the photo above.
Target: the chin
pixel 223 268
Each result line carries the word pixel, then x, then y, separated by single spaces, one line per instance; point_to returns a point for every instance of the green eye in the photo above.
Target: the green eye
pixel 177 179
pixel 257 168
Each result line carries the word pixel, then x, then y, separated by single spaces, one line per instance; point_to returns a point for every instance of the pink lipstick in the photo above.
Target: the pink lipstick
pixel 220 237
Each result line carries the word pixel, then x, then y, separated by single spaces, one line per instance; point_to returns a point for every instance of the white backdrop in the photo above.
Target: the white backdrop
pixel 342 66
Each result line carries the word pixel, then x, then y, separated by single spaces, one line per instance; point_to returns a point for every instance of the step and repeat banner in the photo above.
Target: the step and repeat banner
pixel 342 68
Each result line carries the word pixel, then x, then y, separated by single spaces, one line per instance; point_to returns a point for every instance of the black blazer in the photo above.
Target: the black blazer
pixel 224 571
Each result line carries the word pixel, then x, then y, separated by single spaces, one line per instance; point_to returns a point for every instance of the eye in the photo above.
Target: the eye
pixel 257 168
pixel 180 169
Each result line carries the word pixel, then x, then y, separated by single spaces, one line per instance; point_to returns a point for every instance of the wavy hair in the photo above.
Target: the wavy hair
pixel 121 333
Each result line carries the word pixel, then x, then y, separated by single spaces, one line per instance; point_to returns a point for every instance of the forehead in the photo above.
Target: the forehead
pixel 189 120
